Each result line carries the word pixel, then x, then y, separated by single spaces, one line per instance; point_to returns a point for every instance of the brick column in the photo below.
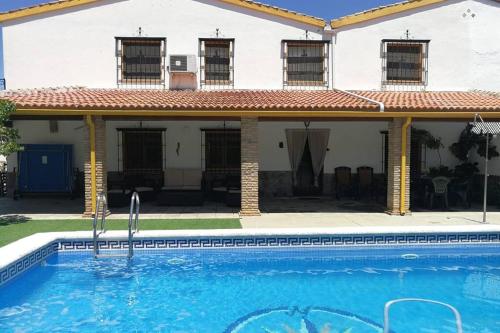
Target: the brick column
pixel 249 167
pixel 100 157
pixel 394 167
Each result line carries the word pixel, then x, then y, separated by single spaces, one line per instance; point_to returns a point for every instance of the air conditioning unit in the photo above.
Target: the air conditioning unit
pixel 182 63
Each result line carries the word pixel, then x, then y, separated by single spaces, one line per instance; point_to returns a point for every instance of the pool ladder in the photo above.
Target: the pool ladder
pixel 100 215
pixel 458 318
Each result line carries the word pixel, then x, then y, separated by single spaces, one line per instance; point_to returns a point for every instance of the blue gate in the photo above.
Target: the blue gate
pixel 46 168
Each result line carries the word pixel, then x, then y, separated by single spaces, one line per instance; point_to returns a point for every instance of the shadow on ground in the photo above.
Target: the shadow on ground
pixel 13 219
pixel 324 204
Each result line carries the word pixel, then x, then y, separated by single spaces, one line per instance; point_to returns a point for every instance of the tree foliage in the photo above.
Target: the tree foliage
pixel 469 141
pixel 8 135
pixel 426 138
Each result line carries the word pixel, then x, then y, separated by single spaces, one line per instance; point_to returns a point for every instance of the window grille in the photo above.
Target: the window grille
pixel 222 150
pixel 404 63
pixel 140 62
pixel 305 63
pixel 217 63
pixel 141 150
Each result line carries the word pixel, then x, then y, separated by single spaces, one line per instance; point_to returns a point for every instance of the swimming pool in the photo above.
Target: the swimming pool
pixel 332 289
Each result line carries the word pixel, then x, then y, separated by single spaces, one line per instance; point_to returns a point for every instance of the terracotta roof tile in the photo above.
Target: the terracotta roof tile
pixel 249 100
pixel 436 100
pixel 187 100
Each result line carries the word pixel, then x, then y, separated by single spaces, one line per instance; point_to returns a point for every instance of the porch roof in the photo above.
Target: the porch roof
pixel 81 99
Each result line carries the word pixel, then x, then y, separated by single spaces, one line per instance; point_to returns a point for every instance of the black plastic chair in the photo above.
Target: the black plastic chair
pixel 343 182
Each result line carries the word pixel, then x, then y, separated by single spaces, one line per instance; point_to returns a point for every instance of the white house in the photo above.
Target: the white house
pixel 234 96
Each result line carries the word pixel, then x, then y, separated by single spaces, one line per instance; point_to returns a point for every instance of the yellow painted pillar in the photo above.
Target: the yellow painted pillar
pixel 403 170
pixel 93 191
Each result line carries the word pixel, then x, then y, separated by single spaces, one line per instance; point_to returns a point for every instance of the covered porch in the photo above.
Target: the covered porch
pixel 242 153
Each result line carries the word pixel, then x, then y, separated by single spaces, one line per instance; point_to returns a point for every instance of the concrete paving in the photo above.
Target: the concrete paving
pixel 341 219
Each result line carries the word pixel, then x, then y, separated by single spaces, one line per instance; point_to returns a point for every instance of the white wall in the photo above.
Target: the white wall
pixel 464 51
pixel 448 132
pixel 187 133
pixel 362 149
pixel 77 46
pixel 37 132
pixel 351 144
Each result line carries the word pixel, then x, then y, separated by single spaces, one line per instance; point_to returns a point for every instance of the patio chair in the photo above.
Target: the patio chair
pixel 182 188
pixel 365 184
pixel 118 195
pixel 440 185
pixel 144 186
pixel 218 188
pixel 343 184
pixel 462 190
pixel 233 194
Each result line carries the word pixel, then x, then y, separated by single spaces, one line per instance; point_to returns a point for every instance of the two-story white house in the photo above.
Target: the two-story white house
pixel 233 99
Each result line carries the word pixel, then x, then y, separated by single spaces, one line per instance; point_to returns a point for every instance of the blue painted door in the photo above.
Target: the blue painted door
pixel 45 168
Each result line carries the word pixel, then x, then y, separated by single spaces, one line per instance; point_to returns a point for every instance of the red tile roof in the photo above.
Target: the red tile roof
pixel 436 100
pixel 249 100
pixel 125 99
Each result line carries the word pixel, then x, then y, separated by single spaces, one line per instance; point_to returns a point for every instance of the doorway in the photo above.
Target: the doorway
pixel 304 185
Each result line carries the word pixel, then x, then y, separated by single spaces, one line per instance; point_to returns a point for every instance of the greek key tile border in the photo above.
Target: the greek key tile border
pixel 367 240
pixel 284 241
pixel 26 262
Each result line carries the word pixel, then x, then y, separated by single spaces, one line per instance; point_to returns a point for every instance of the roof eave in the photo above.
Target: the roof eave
pixel 42 9
pixel 394 113
pixel 55 6
pixel 381 12
pixel 274 11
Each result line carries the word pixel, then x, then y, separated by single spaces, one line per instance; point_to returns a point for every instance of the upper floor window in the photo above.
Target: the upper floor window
pixel 140 61
pixel 305 63
pixel 404 62
pixel 217 62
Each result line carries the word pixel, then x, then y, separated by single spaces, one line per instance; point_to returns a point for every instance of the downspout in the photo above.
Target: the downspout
pixel 381 106
pixel 91 125
pixel 404 143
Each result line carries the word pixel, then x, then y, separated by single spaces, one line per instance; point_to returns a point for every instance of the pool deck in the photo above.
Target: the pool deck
pixel 22 247
pixel 26 252
pixel 309 219
pixel 361 220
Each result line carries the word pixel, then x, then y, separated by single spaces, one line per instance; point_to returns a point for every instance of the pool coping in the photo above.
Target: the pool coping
pixel 21 255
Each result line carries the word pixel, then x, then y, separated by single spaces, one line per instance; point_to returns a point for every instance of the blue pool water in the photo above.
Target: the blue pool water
pixel 269 291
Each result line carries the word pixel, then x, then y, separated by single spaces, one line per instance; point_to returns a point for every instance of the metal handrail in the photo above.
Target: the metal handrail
pixel 101 201
pixel 133 221
pixel 458 318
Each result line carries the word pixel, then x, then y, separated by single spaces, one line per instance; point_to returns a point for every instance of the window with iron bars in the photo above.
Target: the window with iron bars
pixel 217 63
pixel 404 62
pixel 140 62
pixel 305 63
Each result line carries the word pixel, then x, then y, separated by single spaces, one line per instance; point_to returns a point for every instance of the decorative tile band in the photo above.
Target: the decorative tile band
pixel 214 242
pixel 26 262
pixel 284 241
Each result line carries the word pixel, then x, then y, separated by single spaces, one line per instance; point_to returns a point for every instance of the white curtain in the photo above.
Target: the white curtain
pixel 318 144
pixel 296 142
